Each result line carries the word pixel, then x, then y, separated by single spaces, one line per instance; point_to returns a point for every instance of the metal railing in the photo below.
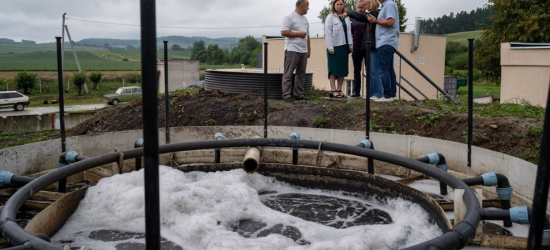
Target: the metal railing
pixel 403 58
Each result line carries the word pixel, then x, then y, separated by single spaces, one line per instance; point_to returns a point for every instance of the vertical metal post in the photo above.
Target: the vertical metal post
pixel 63 43
pixel 150 123
pixel 400 66
pixel 166 94
pixel 540 198
pixel 265 90
pixel 368 89
pixel 63 182
pixel 470 98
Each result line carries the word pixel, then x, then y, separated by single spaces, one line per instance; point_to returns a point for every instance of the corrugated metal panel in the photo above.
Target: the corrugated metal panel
pixel 249 82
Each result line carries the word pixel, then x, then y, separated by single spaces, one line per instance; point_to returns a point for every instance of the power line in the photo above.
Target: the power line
pixel 183 27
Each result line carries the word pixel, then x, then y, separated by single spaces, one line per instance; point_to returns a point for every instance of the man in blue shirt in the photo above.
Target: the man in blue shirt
pixel 387 41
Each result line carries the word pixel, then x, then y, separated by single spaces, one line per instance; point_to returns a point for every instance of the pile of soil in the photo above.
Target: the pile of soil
pixel 519 137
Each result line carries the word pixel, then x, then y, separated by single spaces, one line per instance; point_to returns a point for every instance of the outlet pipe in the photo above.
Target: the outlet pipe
pixel 217 157
pixel 251 161
pixel 64 160
pixel 440 162
pixel 521 215
pixel 295 136
pixel 504 190
pixel 369 145
pixel 138 144
pixel 8 179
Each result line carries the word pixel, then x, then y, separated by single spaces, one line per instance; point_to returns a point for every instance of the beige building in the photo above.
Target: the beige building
pixel 429 58
pixel 525 73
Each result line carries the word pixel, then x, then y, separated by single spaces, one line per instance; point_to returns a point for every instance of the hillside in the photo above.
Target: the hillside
pixel 462 37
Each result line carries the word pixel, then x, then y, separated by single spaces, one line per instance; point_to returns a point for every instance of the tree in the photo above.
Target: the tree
pixel 215 55
pixel 245 52
pixel 79 79
pixel 25 81
pixel 351 5
pixel 514 21
pixel 176 47
pixel 198 52
pixel 95 77
pixel 402 15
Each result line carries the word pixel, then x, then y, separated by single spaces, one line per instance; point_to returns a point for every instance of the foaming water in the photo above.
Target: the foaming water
pixel 235 210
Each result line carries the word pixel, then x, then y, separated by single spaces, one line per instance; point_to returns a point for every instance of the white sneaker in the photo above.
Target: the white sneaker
pixel 374 98
pixel 386 99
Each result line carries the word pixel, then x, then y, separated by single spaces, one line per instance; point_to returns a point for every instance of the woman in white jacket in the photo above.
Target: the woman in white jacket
pixel 339 45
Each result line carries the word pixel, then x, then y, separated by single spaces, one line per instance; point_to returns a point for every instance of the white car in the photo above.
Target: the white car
pixel 14 99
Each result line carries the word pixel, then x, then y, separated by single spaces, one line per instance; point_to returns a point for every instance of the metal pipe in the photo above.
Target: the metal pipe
pixel 470 98
pixel 457 237
pixel 265 90
pixel 295 136
pixel 368 86
pixel 62 183
pixel 166 94
pixel 138 144
pixel 150 123
pixel 217 156
pixel 540 197
pixel 416 34
pixel 368 144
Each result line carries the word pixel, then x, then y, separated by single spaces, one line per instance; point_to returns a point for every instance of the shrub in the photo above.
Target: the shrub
pixel 320 122
pixel 125 59
pixel 25 81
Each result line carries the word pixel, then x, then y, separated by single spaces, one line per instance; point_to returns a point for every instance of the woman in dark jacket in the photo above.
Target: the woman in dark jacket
pixel 377 90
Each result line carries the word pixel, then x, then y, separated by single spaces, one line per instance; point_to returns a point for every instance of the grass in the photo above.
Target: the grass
pixel 16 139
pixel 479 90
pixel 462 37
pixel 91 59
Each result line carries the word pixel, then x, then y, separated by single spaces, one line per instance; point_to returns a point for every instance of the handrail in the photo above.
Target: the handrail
pixel 407 91
pixel 424 75
pixel 410 84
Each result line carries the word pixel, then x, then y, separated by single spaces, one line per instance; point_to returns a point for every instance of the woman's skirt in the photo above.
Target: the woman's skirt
pixel 338 62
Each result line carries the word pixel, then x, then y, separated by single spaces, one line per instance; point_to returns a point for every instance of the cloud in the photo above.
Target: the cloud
pixel 40 20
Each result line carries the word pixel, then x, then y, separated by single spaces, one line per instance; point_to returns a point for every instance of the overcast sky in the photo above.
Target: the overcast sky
pixel 40 20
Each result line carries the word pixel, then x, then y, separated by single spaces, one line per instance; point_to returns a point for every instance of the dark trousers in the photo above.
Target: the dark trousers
pixel 387 71
pixel 358 56
pixel 294 61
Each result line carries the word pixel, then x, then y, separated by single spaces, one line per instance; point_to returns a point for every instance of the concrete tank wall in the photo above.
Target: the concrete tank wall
pixel 32 123
pixel 42 156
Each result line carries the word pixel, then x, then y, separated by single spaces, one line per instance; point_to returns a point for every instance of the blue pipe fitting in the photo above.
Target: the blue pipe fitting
pixel 70 156
pixel 546 237
pixel 504 194
pixel 443 167
pixel 295 136
pixel 219 136
pixel 366 143
pixel 489 179
pixel 139 143
pixel 520 215
pixel 5 178
pixel 434 157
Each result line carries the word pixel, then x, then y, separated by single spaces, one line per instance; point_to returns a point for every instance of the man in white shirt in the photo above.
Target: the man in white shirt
pixel 295 29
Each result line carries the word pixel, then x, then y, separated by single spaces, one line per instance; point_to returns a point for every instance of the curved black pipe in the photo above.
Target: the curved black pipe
pixel 457 237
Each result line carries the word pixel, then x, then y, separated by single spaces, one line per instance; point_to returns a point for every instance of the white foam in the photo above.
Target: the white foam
pixel 199 209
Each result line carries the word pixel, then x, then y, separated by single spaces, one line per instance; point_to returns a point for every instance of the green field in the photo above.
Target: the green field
pixel 27 48
pixel 462 37
pixel 18 57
